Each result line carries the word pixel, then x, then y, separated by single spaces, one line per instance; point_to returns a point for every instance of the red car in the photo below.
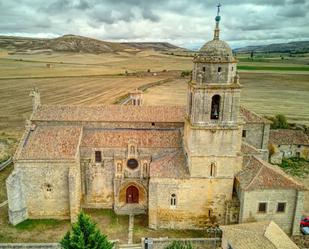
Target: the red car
pixel 304 222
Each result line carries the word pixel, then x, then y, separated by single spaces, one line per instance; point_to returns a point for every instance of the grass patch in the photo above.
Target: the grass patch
pixel 295 166
pixel 141 229
pixel 266 68
pixel 39 224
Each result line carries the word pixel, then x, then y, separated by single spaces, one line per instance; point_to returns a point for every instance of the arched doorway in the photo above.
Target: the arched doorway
pixel 132 194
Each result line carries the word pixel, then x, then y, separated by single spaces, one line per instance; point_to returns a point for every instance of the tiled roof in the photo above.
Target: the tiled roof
pixel 51 142
pixel 249 149
pixel 252 117
pixel 259 174
pixel 142 138
pixel 286 136
pixel 172 165
pixel 110 113
pixel 257 235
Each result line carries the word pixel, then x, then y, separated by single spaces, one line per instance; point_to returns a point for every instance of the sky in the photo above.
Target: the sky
pixel 186 23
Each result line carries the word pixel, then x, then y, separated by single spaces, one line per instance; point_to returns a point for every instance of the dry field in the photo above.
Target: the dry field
pixel 265 93
pixel 15 102
pixel 75 64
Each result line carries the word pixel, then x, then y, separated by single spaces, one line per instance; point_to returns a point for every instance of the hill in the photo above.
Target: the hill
pixel 290 47
pixel 66 43
pixel 74 43
pixel 157 46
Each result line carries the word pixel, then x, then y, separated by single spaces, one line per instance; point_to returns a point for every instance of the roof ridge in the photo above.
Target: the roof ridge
pixel 278 170
pixel 258 173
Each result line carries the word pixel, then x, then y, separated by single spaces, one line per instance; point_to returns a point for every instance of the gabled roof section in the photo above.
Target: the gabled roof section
pixel 171 165
pixel 252 117
pixel 286 136
pixel 259 174
pixel 110 113
pixel 51 143
pixel 257 235
pixel 143 138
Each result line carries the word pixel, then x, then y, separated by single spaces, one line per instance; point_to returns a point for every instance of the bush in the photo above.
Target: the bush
pixel 279 122
pixel 295 166
pixel 179 245
pixel 85 235
pixel 185 73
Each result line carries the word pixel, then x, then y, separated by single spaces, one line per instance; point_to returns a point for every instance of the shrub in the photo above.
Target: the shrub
pixel 84 235
pixel 279 122
pixel 295 166
pixel 179 245
pixel 185 73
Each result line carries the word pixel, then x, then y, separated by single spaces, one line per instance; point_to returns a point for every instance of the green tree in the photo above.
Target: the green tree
pixel 179 245
pixel 279 122
pixel 85 235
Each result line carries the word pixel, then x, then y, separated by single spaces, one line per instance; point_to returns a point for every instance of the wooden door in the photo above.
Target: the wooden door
pixel 132 194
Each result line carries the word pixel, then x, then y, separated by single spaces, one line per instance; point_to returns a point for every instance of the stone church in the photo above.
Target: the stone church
pixel 184 167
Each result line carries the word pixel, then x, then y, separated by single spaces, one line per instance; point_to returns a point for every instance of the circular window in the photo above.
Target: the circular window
pixel 132 163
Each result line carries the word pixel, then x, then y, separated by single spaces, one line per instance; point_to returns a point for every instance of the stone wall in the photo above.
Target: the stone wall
pixel 249 208
pixel 287 151
pixel 199 201
pixel 47 183
pixel 40 245
pixel 29 245
pixel 197 243
pixel 257 135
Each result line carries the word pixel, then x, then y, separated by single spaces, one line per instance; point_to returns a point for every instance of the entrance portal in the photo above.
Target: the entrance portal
pixel 132 194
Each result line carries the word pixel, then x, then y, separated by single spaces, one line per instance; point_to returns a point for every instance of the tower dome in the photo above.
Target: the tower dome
pixel 216 48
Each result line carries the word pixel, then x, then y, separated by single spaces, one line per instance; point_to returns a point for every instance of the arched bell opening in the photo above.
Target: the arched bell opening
pixel 215 107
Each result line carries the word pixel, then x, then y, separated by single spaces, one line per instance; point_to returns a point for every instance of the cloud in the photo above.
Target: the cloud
pixel 182 22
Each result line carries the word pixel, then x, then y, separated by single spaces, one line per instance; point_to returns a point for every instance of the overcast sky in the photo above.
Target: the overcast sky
pixel 187 23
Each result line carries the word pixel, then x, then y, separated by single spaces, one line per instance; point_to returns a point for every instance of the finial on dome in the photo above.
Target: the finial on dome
pixel 218 18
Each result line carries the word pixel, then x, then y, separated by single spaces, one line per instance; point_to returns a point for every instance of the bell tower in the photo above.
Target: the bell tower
pixel 212 136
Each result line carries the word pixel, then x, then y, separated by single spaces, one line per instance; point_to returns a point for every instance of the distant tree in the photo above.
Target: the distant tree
pixel 252 54
pixel 179 245
pixel 85 235
pixel 279 122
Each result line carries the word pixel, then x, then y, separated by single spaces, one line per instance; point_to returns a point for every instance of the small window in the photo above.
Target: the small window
pixel 49 188
pixel 204 69
pixel 153 124
pixel 173 200
pixel 98 156
pixel 279 146
pixel 219 69
pixel 298 146
pixel 244 133
pixel 281 207
pixel 232 68
pixel 262 207
pixel 212 169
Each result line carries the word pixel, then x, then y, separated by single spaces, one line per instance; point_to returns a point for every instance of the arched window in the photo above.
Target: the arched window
pixel 204 69
pixel 173 200
pixel 215 107
pixel 219 69
pixel 49 187
pixel 213 170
